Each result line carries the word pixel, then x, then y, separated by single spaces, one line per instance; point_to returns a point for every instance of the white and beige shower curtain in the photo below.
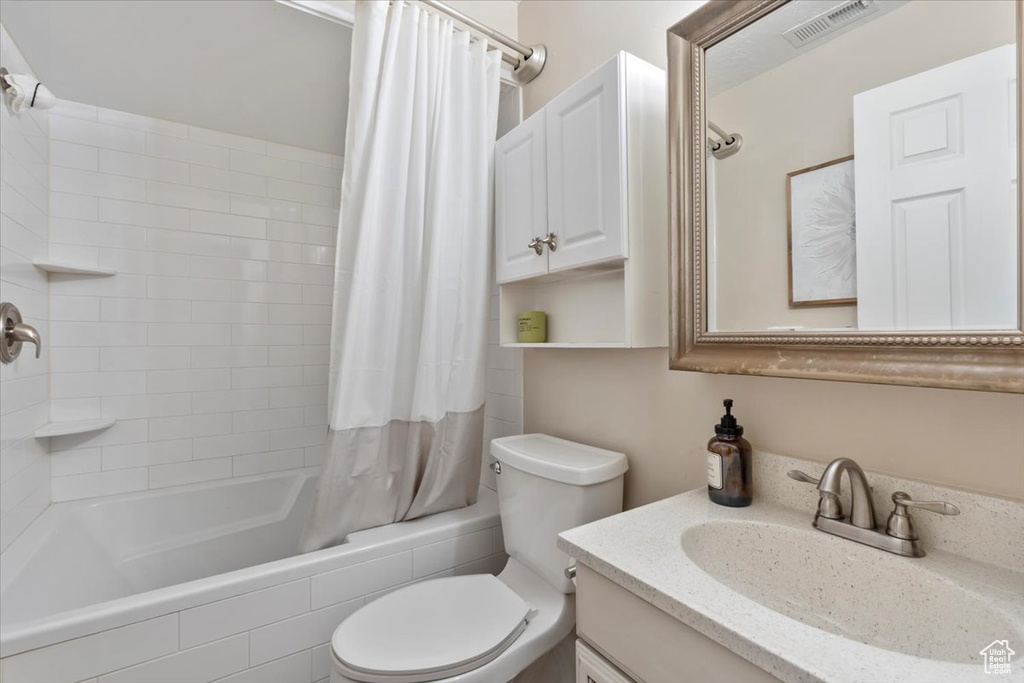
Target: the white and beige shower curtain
pixel 409 332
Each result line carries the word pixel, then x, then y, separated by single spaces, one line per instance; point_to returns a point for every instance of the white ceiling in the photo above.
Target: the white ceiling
pixel 252 67
pixel 760 47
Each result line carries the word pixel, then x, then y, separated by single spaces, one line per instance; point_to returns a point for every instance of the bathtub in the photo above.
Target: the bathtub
pixel 202 582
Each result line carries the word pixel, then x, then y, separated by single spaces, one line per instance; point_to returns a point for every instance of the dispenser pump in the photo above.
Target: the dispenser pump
pixel 728 427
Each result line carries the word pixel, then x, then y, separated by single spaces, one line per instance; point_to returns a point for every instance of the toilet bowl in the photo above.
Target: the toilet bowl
pixel 482 628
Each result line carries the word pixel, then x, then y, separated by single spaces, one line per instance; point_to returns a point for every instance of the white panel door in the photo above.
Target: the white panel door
pixel 586 170
pixel 520 201
pixel 936 184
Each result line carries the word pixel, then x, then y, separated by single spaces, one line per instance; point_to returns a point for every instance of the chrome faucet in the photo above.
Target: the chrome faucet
pixel 899 535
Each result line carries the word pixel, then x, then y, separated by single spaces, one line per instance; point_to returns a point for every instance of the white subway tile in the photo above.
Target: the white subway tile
pixel 143 123
pixel 145 454
pixel 265 250
pixel 326 216
pixel 298 438
pixel 302 233
pixel 351 582
pixel 144 358
pixel 72 155
pixel 96 484
pixel 144 310
pixel 260 463
pixel 94 184
pixel 186 150
pixel 299 355
pixel 231 444
pixel 84 132
pixel 266 292
pixel 300 192
pixel 260 164
pixel 174 381
pixel 97 334
pixel 227 268
pixel 227 224
pixel 189 426
pixel 284 397
pixel 293 669
pixel 303 273
pixel 229 356
pixel 316 334
pixel 298 633
pixel 76 110
pixel 80 658
pixel 143 262
pixel 81 461
pixel 141 166
pixel 320 657
pixel 263 207
pixel 84 384
pixel 74 359
pixel 235 399
pixel 242 613
pixel 146 405
pixel 254 378
pixel 214 137
pixel 74 308
pixel 196 289
pixel 314 375
pixel 187 197
pixel 272 335
pixel 300 314
pixel 123 284
pixel 318 175
pixel 227 181
pixel 197 665
pixel 90 233
pixel 144 215
pixel 301 154
pixel 262 420
pixel 177 474
pixel 319 255
pixel 64 205
pixel 189 243
pixel 194 334
pixel 318 295
pixel 451 552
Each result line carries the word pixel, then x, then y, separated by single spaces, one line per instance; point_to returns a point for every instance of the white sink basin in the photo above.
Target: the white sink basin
pixel 848 589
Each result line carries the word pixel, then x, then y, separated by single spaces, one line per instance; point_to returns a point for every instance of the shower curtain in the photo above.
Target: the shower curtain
pixel 409 330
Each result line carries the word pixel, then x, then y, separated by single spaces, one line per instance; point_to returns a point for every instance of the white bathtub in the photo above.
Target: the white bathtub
pixel 202 583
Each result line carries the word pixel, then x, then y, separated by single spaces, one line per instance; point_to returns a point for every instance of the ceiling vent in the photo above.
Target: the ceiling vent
pixel 829 22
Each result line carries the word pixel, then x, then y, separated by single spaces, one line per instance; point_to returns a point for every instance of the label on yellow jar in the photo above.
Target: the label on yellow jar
pixel 714 470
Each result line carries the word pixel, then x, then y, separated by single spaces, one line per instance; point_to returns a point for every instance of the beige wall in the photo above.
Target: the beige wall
pixel 810 126
pixel 629 400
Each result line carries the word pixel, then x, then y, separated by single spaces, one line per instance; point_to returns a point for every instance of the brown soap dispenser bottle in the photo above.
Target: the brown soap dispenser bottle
pixel 730 479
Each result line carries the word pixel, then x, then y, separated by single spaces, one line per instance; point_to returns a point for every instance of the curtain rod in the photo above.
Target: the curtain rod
pixel 526 66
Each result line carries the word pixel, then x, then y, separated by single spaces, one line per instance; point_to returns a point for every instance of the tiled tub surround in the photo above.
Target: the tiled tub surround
pixel 210 345
pixel 24 465
pixel 150 586
pixel 979 553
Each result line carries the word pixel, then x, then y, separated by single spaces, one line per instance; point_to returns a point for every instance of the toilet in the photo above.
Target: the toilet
pixel 482 628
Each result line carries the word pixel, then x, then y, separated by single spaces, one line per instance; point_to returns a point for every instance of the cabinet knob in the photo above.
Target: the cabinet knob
pixel 550 241
pixel 537 244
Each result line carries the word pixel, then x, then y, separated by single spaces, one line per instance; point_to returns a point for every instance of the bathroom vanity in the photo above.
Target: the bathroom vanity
pixel 686 590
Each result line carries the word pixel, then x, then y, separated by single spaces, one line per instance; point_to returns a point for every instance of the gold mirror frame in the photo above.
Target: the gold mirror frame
pixel 979 360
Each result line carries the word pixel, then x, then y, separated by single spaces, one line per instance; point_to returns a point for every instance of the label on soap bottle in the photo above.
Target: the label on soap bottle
pixel 714 470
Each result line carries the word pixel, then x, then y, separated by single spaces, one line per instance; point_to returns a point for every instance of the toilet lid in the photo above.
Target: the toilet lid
pixel 432 629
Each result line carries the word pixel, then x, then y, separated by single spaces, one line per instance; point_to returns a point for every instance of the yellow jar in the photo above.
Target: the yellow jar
pixel 533 327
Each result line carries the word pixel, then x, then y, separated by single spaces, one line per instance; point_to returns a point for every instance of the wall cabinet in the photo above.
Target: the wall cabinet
pixel 581 215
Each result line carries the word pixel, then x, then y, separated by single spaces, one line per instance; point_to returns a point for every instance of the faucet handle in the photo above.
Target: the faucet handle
pixel 802 477
pixel 901 525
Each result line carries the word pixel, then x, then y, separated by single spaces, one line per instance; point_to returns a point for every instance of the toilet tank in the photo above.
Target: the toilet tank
pixel 546 486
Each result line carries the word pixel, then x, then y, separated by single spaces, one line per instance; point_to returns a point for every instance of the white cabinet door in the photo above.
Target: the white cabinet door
pixel 593 668
pixel 936 189
pixel 586 169
pixel 520 201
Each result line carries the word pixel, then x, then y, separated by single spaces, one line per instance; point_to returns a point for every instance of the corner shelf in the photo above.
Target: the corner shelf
pixel 74 427
pixel 61 267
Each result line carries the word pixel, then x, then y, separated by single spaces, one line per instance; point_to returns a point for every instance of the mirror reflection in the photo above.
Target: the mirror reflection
pixel 862 168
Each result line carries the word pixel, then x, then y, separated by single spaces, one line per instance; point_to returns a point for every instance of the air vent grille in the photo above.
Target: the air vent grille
pixel 828 22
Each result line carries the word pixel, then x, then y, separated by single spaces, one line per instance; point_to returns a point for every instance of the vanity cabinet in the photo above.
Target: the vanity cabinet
pixel 625 638
pixel 587 173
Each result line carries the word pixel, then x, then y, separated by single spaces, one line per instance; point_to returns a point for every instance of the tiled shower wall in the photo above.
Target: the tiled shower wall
pixel 210 344
pixel 24 466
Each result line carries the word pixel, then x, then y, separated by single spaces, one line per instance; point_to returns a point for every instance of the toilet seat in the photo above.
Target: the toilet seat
pixel 430 630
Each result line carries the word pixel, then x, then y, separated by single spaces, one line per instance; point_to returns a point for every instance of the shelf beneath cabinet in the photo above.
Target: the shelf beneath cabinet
pixel 74 427
pixel 566 345
pixel 71 268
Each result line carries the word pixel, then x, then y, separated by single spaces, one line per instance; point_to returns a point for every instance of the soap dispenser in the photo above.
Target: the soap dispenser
pixel 730 476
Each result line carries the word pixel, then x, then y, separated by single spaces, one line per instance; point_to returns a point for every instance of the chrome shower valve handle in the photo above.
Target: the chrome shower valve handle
pixel 15 333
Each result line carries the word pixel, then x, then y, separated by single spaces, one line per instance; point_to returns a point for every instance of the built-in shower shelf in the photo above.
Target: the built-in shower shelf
pixel 72 268
pixel 74 427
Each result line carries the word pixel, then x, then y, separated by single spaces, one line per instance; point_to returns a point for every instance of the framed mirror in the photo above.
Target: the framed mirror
pixel 844 191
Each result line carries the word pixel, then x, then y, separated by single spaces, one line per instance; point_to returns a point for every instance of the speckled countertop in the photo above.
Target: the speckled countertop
pixel 969 584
